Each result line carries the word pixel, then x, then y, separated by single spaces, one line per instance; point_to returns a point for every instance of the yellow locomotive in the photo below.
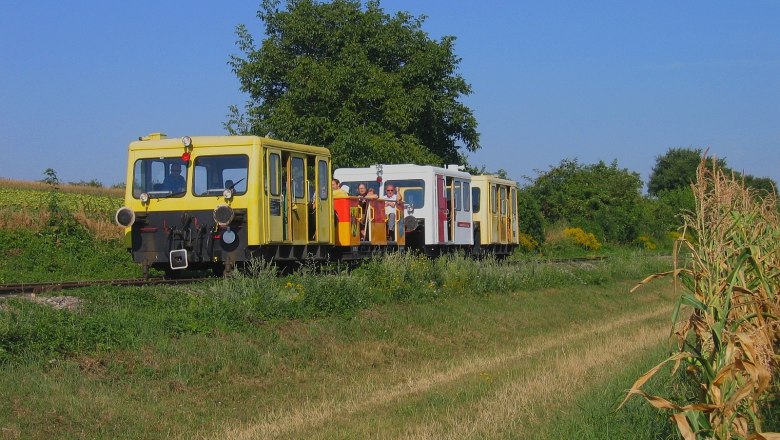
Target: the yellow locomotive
pixel 213 201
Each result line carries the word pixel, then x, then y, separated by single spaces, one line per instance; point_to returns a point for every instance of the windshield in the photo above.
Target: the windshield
pixel 214 174
pixel 160 177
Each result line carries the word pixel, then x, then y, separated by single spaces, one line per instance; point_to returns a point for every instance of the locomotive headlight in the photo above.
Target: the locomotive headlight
pixel 124 217
pixel 228 237
pixel 228 193
pixel 187 141
pixel 410 223
pixel 223 215
pixel 144 197
pixel 410 208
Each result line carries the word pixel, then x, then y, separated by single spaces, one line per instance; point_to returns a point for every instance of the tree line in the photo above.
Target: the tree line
pixel 608 201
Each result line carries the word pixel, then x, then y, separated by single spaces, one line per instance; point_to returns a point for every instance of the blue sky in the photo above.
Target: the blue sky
pixel 598 80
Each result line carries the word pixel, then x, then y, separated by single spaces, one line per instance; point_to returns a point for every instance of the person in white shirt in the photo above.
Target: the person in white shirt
pixel 391 199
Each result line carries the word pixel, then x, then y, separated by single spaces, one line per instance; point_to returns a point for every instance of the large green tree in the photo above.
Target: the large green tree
pixel 372 87
pixel 600 198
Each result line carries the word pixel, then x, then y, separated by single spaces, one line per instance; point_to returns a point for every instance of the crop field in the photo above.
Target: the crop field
pixel 28 206
pixel 101 204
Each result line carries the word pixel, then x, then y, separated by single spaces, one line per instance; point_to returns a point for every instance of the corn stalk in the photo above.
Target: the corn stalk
pixel 726 326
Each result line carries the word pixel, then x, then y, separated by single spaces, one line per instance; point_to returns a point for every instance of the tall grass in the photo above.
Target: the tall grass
pixel 728 331
pixel 259 295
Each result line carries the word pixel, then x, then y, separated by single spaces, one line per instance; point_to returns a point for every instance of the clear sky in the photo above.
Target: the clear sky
pixel 595 80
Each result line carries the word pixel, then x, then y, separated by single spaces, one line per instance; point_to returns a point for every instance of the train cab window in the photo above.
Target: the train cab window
pixel 160 177
pixel 323 179
pixel 466 196
pixel 458 196
pixel 214 174
pixel 475 199
pixel 298 178
pixel 503 200
pixel 493 199
pixel 273 174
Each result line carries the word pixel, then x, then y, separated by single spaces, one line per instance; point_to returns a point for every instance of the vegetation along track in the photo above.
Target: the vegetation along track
pixel 20 288
pixel 53 286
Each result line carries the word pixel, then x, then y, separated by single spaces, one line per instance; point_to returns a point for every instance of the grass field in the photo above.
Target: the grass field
pixel 171 362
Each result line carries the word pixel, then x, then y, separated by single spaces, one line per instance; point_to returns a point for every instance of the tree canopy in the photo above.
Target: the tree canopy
pixel 372 87
pixel 677 169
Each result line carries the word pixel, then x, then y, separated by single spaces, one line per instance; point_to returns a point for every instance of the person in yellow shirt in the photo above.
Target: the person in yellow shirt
pixel 335 185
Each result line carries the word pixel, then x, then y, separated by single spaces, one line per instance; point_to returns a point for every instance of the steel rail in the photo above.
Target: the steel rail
pixel 53 286
pixel 558 260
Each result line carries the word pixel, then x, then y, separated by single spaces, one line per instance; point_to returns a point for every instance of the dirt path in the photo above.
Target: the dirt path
pixel 538 375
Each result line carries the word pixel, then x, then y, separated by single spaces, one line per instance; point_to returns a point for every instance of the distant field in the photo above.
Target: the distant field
pixel 77 189
pixel 25 205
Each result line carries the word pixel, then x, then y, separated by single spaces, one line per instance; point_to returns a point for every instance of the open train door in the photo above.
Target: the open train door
pixel 495 219
pixel 322 206
pixel 513 216
pixel 443 209
pixel 461 213
pixel 504 231
pixel 299 216
pixel 277 224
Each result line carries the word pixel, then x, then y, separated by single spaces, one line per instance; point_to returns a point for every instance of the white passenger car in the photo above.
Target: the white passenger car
pixel 437 202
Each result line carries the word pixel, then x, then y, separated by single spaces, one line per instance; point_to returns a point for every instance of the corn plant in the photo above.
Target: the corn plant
pixel 727 270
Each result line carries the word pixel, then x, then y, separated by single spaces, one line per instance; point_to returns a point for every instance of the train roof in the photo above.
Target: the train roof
pixel 159 141
pixel 400 170
pixel 493 179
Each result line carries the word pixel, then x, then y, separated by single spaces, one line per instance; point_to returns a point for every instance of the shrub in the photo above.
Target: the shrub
pixel 581 238
pixel 527 243
pixel 646 242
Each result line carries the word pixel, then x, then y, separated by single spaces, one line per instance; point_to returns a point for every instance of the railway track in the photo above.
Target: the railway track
pixel 24 288
pixel 560 260
pixel 575 260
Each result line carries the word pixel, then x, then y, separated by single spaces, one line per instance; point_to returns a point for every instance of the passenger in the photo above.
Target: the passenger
pixel 371 194
pixel 174 182
pixel 391 199
pixel 362 191
pixel 335 186
pixel 363 203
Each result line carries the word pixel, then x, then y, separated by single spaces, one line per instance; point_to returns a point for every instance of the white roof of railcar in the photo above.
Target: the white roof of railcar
pixel 401 169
